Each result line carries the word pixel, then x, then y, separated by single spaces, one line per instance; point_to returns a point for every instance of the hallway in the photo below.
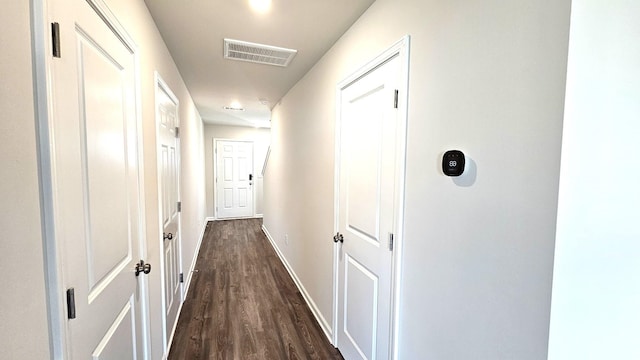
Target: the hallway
pixel 242 303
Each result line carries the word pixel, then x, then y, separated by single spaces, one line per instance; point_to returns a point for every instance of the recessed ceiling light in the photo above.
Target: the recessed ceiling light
pixel 261 6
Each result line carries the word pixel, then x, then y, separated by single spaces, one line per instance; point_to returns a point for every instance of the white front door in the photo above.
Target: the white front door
pixel 169 183
pixel 234 179
pixel 366 212
pixel 98 211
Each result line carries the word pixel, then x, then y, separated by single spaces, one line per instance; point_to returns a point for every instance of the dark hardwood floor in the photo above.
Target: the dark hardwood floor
pixel 242 303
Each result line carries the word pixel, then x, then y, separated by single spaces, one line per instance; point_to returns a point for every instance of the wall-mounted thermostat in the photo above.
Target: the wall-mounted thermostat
pixel 453 163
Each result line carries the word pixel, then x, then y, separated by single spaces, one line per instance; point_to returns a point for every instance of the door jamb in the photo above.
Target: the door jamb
pixel 400 48
pixel 43 110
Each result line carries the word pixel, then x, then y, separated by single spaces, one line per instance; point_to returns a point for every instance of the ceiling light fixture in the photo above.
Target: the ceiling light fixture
pixel 233 108
pixel 261 6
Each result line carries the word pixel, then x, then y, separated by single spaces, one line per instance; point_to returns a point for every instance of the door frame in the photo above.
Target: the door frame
pixel 44 112
pixel 215 176
pixel 402 49
pixel 160 85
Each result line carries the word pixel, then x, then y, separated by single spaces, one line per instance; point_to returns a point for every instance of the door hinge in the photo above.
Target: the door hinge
pixel 179 206
pixel 177 132
pixel 395 99
pixel 390 241
pixel 55 39
pixel 181 277
pixel 71 304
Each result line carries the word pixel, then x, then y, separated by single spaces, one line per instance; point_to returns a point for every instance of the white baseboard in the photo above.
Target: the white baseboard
pixel 186 285
pixel 173 332
pixel 210 218
pixel 312 305
pixel 257 216
pixel 187 281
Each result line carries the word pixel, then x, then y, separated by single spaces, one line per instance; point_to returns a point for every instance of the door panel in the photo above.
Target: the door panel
pixel 360 307
pixel 169 182
pixel 234 194
pixel 120 332
pixel 228 198
pixel 363 160
pixel 228 165
pixel 366 212
pixel 108 239
pixel 98 211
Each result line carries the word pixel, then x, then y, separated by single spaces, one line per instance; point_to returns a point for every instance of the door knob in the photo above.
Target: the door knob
pixel 166 236
pixel 141 267
pixel 338 237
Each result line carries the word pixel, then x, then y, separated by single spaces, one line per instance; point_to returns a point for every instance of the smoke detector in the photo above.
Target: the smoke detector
pixel 258 53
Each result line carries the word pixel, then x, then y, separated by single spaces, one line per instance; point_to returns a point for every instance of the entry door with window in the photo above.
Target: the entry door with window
pixel 99 225
pixel 234 179
pixel 366 211
pixel 169 183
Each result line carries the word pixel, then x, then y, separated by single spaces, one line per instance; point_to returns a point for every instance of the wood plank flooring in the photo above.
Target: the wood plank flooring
pixel 242 303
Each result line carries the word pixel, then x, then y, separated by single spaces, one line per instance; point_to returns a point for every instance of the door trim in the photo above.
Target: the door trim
pixel 215 176
pixel 161 85
pixel 42 16
pixel 402 49
pixel 40 48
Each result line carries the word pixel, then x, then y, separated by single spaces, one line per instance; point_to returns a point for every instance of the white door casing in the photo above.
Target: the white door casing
pixel 371 133
pixel 167 122
pixel 233 179
pixel 98 210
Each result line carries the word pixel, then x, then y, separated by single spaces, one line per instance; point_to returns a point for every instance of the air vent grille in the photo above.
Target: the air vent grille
pixel 257 53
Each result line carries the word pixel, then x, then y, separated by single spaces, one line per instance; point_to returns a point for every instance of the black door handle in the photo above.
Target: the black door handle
pixel 141 267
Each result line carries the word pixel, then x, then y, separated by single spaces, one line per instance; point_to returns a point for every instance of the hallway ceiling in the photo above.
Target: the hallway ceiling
pixel 194 31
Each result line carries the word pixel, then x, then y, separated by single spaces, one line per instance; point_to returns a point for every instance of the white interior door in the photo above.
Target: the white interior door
pixel 98 209
pixel 169 183
pixel 234 179
pixel 367 173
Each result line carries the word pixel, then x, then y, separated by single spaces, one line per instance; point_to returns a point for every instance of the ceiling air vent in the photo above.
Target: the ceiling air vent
pixel 257 53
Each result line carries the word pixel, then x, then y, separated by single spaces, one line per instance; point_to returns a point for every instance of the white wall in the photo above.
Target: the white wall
pixel 23 312
pixel 487 77
pixel 261 140
pixel 596 286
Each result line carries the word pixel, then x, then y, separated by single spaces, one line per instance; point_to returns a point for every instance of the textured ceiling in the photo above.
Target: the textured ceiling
pixel 194 31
